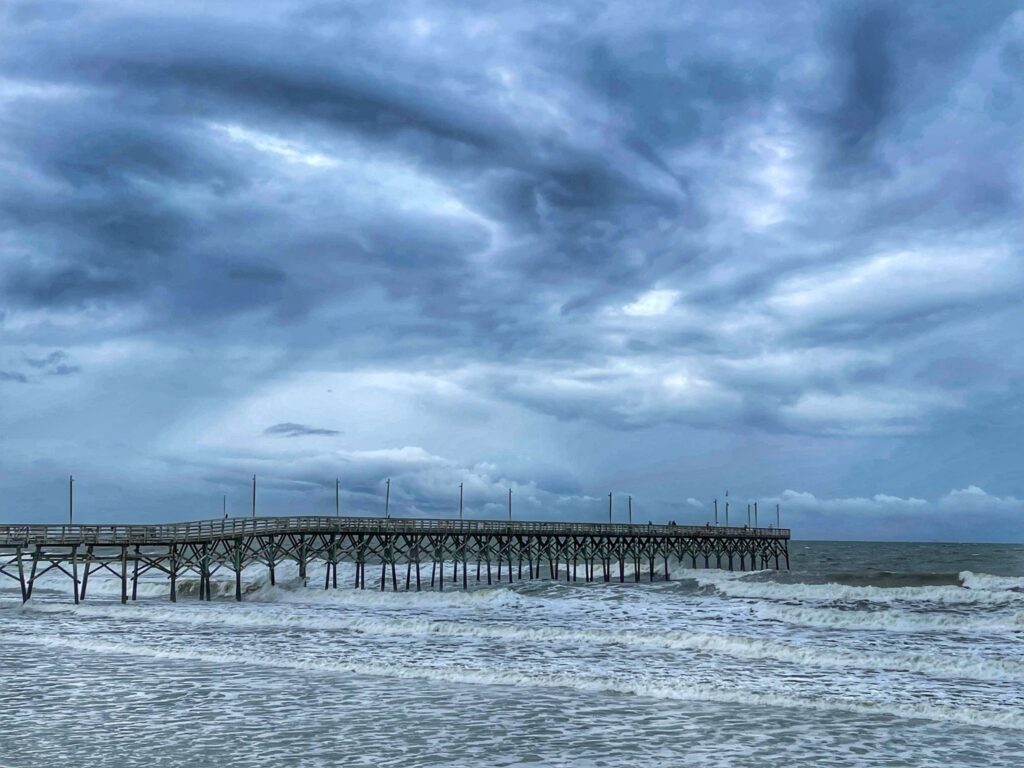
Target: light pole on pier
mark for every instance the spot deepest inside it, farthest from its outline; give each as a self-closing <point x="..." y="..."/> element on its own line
<point x="755" y="514"/>
<point x="778" y="524"/>
<point x="254" y="496"/>
<point x="460" y="501"/>
<point x="629" y="506"/>
<point x="387" y="498"/>
<point x="71" y="499"/>
<point x="224" y="506"/>
<point x="727" y="509"/>
<point x="337" y="497"/>
<point x="510" y="505"/>
<point x="716" y="513"/>
<point x="748" y="514"/>
<point x="609" y="506"/>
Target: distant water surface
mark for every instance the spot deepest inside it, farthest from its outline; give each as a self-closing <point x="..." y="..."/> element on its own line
<point x="862" y="655"/>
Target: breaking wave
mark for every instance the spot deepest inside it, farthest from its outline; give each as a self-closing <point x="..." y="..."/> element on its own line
<point x="973" y="580"/>
<point x="738" y="646"/>
<point x="639" y="684"/>
<point x="888" y="620"/>
<point x="832" y="592"/>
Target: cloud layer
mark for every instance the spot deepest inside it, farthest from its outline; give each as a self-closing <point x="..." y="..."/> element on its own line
<point x="569" y="248"/>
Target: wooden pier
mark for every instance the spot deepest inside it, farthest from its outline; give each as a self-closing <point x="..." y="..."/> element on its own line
<point x="468" y="550"/>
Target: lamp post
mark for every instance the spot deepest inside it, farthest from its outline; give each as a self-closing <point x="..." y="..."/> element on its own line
<point x="716" y="513"/>
<point x="510" y="505"/>
<point x="71" y="499"/>
<point x="254" y="496"/>
<point x="629" y="506"/>
<point x="460" y="501"/>
<point x="727" y="509"/>
<point x="387" y="498"/>
<point x="778" y="524"/>
<point x="337" y="497"/>
<point x="755" y="514"/>
<point x="609" y="507"/>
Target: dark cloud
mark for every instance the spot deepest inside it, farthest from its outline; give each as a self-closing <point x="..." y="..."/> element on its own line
<point x="289" y="429"/>
<point x="68" y="286"/>
<point x="57" y="357"/>
<point x="865" y="38"/>
<point x="54" y="364"/>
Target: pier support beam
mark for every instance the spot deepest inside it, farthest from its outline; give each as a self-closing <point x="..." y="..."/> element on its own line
<point x="124" y="574"/>
<point x="21" y="577"/>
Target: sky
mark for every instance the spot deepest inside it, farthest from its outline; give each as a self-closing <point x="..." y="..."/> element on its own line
<point x="662" y="250"/>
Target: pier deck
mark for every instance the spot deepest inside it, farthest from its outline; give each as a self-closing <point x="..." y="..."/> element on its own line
<point x="202" y="549"/>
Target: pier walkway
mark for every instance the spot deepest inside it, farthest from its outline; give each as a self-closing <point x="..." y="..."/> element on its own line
<point x="554" y="550"/>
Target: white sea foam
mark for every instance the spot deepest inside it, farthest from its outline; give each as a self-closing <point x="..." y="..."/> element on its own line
<point x="973" y="580"/>
<point x="638" y="684"/>
<point x="290" y="588"/>
<point x="830" y="592"/>
<point x="737" y="646"/>
<point x="711" y="576"/>
<point x="889" y="620"/>
<point x="293" y="593"/>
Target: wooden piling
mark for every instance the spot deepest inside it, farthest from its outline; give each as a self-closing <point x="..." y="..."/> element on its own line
<point x="74" y="571"/>
<point x="238" y="570"/>
<point x="135" y="574"/>
<point x="124" y="574"/>
<point x="21" y="576"/>
<point x="204" y="574"/>
<point x="32" y="573"/>
<point x="174" y="574"/>
<point x="85" y="575"/>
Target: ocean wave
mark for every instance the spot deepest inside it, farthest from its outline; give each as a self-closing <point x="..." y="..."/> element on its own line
<point x="831" y="592"/>
<point x="291" y="589"/>
<point x="638" y="684"/>
<point x="888" y="620"/>
<point x="737" y="646"/>
<point x="989" y="581"/>
<point x="710" y="576"/>
<point x="295" y="592"/>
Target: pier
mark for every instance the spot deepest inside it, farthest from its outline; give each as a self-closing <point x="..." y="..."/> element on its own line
<point x="427" y="550"/>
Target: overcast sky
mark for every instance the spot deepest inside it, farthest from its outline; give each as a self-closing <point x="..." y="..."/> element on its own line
<point x="660" y="249"/>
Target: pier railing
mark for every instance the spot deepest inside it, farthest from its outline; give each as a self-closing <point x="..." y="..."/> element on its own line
<point x="209" y="530"/>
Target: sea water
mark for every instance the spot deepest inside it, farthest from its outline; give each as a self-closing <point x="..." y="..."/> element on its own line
<point x="862" y="655"/>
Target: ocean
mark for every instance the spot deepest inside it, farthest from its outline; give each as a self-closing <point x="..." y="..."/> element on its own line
<point x="864" y="654"/>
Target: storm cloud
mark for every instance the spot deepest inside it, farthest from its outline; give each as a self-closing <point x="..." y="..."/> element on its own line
<point x="290" y="429"/>
<point x="663" y="250"/>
